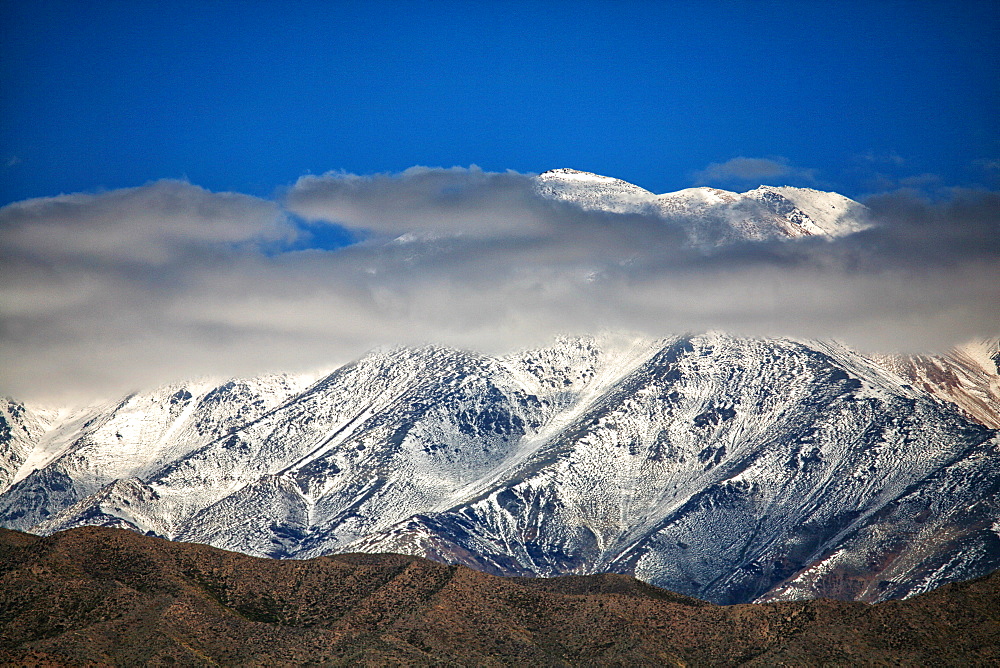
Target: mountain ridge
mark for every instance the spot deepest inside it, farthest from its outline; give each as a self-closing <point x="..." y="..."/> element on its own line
<point x="96" y="595"/>
<point x="710" y="216"/>
<point x="673" y="459"/>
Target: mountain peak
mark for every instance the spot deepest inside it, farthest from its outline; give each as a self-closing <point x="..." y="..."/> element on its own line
<point x="575" y="174"/>
<point x="712" y="216"/>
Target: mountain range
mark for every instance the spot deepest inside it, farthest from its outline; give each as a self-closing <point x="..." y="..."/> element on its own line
<point x="728" y="468"/>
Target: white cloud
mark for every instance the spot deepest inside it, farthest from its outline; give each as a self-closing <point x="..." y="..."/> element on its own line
<point x="754" y="171"/>
<point x="890" y="158"/>
<point x="456" y="200"/>
<point x="132" y="287"/>
<point x="153" y="224"/>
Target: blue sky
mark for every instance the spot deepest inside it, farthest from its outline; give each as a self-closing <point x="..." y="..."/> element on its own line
<point x="248" y="96"/>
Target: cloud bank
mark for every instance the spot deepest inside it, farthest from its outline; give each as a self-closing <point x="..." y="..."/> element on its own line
<point x="103" y="293"/>
<point x="741" y="171"/>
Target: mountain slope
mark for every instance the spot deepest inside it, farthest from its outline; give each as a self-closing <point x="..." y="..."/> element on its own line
<point x="696" y="475"/>
<point x="20" y="430"/>
<point x="101" y="596"/>
<point x="88" y="449"/>
<point x="968" y="377"/>
<point x="722" y="467"/>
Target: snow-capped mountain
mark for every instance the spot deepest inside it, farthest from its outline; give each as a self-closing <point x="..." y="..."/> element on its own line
<point x="733" y="469"/>
<point x="711" y="216"/>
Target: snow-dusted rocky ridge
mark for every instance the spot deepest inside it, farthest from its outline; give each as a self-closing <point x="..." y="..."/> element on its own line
<point x="711" y="216"/>
<point x="733" y="469"/>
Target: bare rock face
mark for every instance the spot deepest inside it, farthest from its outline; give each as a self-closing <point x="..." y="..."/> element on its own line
<point x="96" y="596"/>
<point x="968" y="377"/>
<point x="726" y="468"/>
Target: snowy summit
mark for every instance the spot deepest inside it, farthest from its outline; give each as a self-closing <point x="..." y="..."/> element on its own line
<point x="712" y="216"/>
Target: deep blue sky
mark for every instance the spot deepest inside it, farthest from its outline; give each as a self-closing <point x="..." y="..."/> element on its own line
<point x="248" y="96"/>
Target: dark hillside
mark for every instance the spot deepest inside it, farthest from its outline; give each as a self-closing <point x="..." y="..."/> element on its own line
<point x="99" y="596"/>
